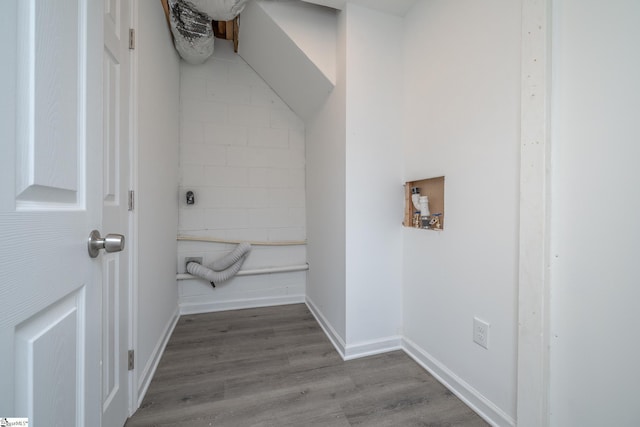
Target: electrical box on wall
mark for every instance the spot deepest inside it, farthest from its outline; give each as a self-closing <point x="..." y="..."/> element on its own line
<point x="424" y="204"/>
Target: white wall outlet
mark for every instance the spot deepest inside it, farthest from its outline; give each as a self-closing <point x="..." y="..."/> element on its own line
<point x="481" y="332"/>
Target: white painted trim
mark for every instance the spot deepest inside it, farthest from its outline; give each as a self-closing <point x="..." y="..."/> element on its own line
<point x="154" y="360"/>
<point x="133" y="217"/>
<point x="533" y="282"/>
<point x="469" y="395"/>
<point x="184" y="238"/>
<point x="210" y="307"/>
<point x="331" y="333"/>
<point x="370" y="348"/>
<point x="358" y="350"/>
<point x="255" y="271"/>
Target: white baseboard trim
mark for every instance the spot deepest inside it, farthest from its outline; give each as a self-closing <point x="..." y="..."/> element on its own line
<point x="212" y="306"/>
<point x="331" y="333"/>
<point x="369" y="348"/>
<point x="470" y="396"/>
<point x="154" y="360"/>
<point x="353" y="351"/>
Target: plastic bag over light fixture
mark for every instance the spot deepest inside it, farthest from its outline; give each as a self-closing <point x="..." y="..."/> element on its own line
<point x="191" y="27"/>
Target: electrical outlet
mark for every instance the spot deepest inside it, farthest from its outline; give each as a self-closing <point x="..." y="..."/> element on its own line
<point x="187" y="260"/>
<point x="481" y="332"/>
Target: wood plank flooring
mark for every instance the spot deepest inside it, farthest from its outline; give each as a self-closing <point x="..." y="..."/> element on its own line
<point x="274" y="367"/>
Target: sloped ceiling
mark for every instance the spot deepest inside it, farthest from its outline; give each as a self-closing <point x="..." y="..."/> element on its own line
<point x="271" y="52"/>
<point x="334" y="4"/>
<point x="394" y="7"/>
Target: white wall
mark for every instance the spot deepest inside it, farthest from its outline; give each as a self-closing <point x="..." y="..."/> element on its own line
<point x="325" y="139"/>
<point x="374" y="192"/>
<point x="157" y="186"/>
<point x="312" y="28"/>
<point x="461" y="120"/>
<point x="242" y="152"/>
<point x="354" y="190"/>
<point x="595" y="234"/>
<point x="281" y="62"/>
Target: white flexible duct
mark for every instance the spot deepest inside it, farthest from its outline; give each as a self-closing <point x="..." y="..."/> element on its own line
<point x="214" y="276"/>
<point x="231" y="258"/>
<point x="227" y="267"/>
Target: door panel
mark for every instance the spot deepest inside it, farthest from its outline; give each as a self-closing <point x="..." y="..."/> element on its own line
<point x="51" y="139"/>
<point x="48" y="122"/>
<point x="44" y="345"/>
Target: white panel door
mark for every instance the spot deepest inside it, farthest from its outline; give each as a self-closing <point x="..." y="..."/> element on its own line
<point x="50" y="185"/>
<point x="115" y="266"/>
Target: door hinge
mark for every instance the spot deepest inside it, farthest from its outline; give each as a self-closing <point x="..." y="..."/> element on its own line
<point x="131" y="200"/>
<point x="132" y="38"/>
<point x="131" y="360"/>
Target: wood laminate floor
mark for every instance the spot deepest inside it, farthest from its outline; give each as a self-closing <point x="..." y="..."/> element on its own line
<point x="274" y="367"/>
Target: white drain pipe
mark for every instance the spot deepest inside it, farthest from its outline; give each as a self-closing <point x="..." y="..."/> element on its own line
<point x="256" y="271"/>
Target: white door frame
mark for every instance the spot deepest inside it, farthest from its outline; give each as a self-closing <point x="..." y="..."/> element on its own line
<point x="133" y="218"/>
<point x="116" y="283"/>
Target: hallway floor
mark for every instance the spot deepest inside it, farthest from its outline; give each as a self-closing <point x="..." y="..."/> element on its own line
<point x="274" y="366"/>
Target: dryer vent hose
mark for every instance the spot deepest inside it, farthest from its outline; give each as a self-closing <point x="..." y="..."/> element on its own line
<point x="224" y="268"/>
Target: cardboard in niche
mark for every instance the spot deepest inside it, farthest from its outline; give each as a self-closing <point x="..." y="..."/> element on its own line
<point x="430" y="187"/>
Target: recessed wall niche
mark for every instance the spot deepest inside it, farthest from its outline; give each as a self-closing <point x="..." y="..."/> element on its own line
<point x="433" y="189"/>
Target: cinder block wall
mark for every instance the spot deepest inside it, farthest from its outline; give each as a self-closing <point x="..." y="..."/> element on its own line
<point x="242" y="152"/>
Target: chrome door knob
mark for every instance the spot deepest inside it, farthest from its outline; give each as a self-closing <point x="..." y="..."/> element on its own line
<point x="110" y="243"/>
